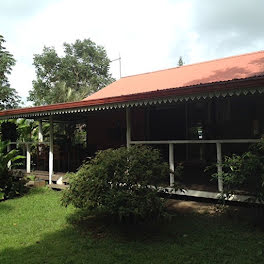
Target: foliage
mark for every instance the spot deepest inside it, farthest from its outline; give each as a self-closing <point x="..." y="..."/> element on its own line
<point x="246" y="170"/>
<point x="9" y="131"/>
<point x="27" y="130"/>
<point x="8" y="95"/>
<point x="180" y="62"/>
<point x="31" y="177"/>
<point x="117" y="182"/>
<point x="11" y="183"/>
<point x="22" y="130"/>
<point x="83" y="69"/>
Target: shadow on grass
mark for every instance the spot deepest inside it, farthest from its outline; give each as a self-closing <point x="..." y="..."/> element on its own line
<point x="29" y="191"/>
<point x="186" y="238"/>
<point x="106" y="227"/>
<point x="4" y="208"/>
<point x="58" y="247"/>
<point x="179" y="223"/>
<point x="36" y="190"/>
<point x="98" y="240"/>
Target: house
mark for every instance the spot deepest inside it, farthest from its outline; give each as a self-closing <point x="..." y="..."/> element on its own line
<point x="194" y="113"/>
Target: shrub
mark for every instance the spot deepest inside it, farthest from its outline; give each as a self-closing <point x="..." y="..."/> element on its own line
<point x="117" y="182"/>
<point x="246" y="170"/>
<point x="12" y="183"/>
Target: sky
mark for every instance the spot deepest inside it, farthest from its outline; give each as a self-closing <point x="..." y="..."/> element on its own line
<point x="149" y="35"/>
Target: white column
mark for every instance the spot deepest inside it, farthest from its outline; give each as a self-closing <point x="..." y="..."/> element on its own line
<point x="40" y="133"/>
<point x="51" y="150"/>
<point x="171" y="162"/>
<point x="128" y="127"/>
<point x="219" y="166"/>
<point x="28" y="158"/>
<point x="9" y="162"/>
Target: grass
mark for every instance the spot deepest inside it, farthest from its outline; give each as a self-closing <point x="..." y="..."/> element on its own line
<point x="36" y="229"/>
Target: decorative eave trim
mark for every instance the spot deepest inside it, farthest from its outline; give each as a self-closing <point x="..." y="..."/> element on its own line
<point x="138" y="103"/>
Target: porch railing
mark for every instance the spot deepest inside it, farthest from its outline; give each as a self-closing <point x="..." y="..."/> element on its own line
<point x="28" y="153"/>
<point x="217" y="142"/>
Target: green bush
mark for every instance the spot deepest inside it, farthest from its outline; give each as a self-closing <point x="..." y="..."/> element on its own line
<point x="12" y="183"/>
<point x="117" y="183"/>
<point x="244" y="171"/>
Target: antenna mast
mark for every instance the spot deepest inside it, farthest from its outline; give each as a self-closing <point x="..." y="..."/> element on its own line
<point x="118" y="59"/>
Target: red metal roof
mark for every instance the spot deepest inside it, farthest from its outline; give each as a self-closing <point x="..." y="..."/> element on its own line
<point x="236" y="67"/>
<point x="241" y="71"/>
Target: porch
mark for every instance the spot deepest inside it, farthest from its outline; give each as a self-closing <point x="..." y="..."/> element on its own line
<point x="195" y="132"/>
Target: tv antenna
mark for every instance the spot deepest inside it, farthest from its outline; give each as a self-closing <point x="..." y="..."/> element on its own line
<point x="118" y="59"/>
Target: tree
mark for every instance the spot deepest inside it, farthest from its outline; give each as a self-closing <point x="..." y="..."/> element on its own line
<point x="180" y="62"/>
<point x="82" y="70"/>
<point x="8" y="95"/>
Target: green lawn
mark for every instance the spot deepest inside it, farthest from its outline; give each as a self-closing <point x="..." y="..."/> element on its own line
<point x="35" y="229"/>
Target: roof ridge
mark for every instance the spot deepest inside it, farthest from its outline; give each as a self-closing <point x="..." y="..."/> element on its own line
<point x="197" y="63"/>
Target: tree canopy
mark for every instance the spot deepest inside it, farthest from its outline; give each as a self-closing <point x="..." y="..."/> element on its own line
<point x="180" y="62"/>
<point x="84" y="69"/>
<point x="8" y="95"/>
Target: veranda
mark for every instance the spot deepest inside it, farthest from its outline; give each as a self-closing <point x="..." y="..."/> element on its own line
<point x="193" y="131"/>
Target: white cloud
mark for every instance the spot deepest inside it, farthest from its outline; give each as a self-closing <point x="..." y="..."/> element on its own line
<point x="227" y="27"/>
<point x="22" y="77"/>
<point x="149" y="35"/>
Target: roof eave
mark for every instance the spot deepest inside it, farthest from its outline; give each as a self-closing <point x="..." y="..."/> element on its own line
<point x="193" y="90"/>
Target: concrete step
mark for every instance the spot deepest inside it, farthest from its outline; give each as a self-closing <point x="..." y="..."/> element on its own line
<point x="36" y="183"/>
<point x="42" y="177"/>
<point x="58" y="186"/>
<point x="65" y="180"/>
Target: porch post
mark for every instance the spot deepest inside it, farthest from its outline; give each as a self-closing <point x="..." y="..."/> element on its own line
<point x="28" y="158"/>
<point x="219" y="166"/>
<point x="186" y="130"/>
<point x="8" y="149"/>
<point x="171" y="162"/>
<point x="51" y="150"/>
<point x="40" y="133"/>
<point x="128" y="127"/>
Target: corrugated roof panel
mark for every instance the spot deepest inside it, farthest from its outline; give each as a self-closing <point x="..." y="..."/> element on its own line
<point x="235" y="67"/>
